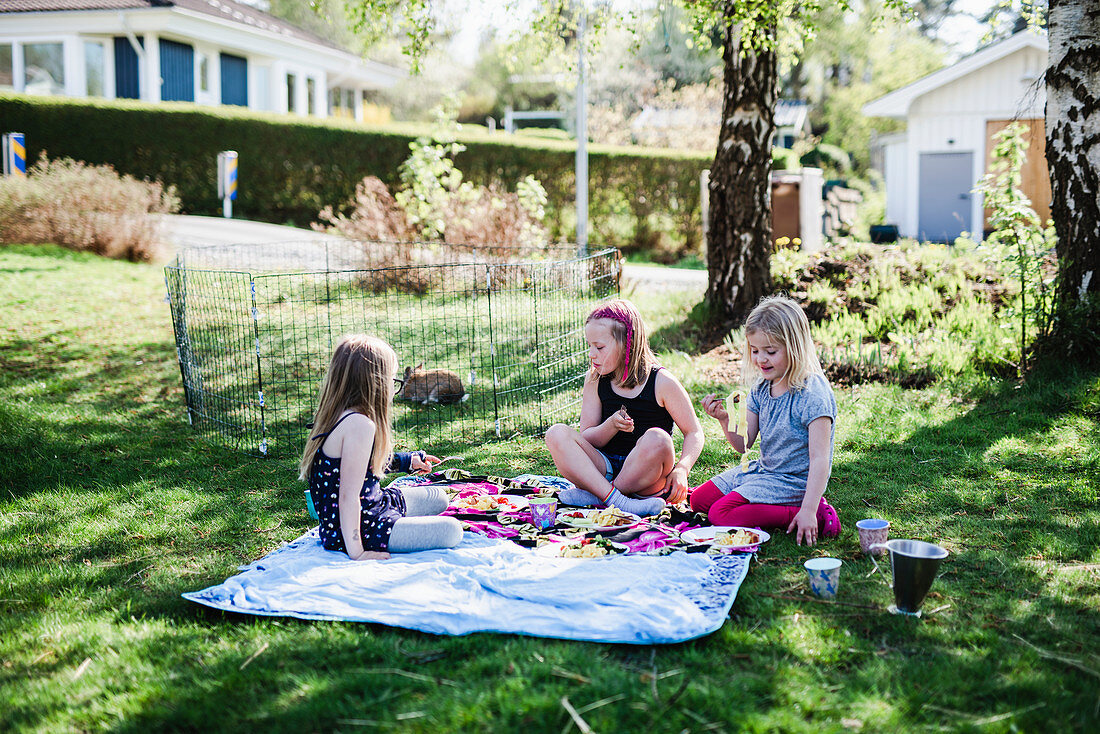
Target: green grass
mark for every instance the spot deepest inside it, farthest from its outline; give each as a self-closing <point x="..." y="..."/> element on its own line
<point x="112" y="507"/>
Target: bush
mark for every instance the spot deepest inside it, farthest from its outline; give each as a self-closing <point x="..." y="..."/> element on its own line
<point x="906" y="314"/>
<point x="84" y="207"/>
<point x="292" y="167"/>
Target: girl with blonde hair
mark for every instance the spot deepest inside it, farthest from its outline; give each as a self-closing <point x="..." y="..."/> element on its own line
<point x="349" y="450"/>
<point x="792" y="409"/>
<point x="623" y="455"/>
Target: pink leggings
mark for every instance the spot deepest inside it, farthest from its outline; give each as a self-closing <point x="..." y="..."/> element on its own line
<point x="733" y="509"/>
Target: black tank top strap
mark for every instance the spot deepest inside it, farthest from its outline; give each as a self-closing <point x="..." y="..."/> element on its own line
<point x="326" y="433"/>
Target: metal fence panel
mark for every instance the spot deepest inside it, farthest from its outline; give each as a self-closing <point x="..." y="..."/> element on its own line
<point x="255" y="326"/>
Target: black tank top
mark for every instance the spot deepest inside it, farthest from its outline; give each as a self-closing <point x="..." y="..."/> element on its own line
<point x="644" y="409"/>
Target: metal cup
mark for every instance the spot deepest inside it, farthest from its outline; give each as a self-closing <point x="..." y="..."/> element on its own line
<point x="544" y="512"/>
<point x="873" y="532"/>
<point x="913" y="564"/>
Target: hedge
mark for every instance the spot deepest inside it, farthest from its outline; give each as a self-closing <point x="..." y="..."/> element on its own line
<point x="291" y="167"/>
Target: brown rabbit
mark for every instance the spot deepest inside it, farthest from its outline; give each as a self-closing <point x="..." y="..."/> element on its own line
<point x="432" y="386"/>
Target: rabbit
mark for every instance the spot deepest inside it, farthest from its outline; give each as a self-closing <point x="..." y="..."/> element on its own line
<point x="432" y="386"/>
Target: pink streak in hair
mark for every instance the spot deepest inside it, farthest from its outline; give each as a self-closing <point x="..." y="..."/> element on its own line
<point x="618" y="314"/>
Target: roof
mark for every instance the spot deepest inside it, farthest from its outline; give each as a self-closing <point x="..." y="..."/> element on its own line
<point x="788" y="112"/>
<point x="229" y="10"/>
<point x="898" y="102"/>
<point x="791" y="113"/>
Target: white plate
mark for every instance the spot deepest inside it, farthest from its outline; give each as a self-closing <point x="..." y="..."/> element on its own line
<point x="586" y="521"/>
<point x="706" y="536"/>
<point x="504" y="502"/>
<point x="554" y="550"/>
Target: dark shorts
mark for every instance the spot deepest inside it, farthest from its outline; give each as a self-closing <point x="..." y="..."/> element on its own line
<point x="613" y="464"/>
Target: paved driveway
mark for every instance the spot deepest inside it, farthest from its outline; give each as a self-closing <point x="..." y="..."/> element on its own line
<point x="182" y="230"/>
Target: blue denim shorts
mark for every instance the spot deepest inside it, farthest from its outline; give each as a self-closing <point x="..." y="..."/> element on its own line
<point x="613" y="464"/>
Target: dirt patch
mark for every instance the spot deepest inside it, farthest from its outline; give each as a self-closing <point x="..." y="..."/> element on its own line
<point x="721" y="365"/>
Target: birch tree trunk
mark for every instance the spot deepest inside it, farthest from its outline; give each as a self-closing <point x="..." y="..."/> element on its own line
<point x="1073" y="149"/>
<point x="739" y="237"/>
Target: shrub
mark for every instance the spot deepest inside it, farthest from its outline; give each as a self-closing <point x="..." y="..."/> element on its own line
<point x="906" y="314"/>
<point x="84" y="207"/>
<point x="293" y="167"/>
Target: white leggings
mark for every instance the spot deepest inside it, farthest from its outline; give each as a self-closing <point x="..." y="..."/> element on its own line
<point x="421" y="528"/>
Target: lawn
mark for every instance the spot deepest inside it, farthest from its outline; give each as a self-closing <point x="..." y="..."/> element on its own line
<point x="113" y="507"/>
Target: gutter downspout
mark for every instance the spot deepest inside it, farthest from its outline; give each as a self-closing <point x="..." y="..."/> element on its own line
<point x="139" y="50"/>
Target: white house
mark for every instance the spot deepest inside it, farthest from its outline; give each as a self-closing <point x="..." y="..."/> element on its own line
<point x="931" y="168"/>
<point x="204" y="51"/>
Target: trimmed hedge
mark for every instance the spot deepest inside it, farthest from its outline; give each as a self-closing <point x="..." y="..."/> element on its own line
<point x="291" y="167"/>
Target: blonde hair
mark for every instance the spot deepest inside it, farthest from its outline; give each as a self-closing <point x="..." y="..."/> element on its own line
<point x="628" y="331"/>
<point x="783" y="321"/>
<point x="359" y="378"/>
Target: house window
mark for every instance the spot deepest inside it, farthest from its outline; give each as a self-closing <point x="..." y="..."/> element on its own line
<point x="7" y="75"/>
<point x="311" y="95"/>
<point x="349" y="101"/>
<point x="44" y="68"/>
<point x="334" y="100"/>
<point x="291" y="83"/>
<point x="94" y="68"/>
<point x="204" y="73"/>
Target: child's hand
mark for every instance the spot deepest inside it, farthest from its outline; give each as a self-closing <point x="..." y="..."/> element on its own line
<point x="715" y="407"/>
<point x="806" y="524"/>
<point x="677" y="486"/>
<point x="372" y="556"/>
<point x="423" y="466"/>
<point x="622" y="421"/>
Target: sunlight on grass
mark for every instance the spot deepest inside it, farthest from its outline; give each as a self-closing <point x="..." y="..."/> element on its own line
<point x="112" y="507"/>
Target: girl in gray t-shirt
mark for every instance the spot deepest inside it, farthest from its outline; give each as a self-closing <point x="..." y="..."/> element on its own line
<point x="792" y="409"/>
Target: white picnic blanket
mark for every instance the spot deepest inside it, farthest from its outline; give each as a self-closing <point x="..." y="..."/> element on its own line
<point x="492" y="585"/>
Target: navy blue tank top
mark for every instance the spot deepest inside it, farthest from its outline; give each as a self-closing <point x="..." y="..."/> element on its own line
<point x="644" y="409"/>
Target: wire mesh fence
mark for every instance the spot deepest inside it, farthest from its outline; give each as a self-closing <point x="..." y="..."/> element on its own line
<point x="255" y="326"/>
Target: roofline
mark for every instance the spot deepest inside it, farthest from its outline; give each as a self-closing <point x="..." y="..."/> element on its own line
<point x="338" y="56"/>
<point x="897" y="103"/>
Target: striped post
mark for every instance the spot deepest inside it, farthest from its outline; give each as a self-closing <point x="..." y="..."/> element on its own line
<point x="15" y="154"/>
<point x="227" y="181"/>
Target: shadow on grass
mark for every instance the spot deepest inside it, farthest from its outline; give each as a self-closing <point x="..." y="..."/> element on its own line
<point x="121" y="509"/>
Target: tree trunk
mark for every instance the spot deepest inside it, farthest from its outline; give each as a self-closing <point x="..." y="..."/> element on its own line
<point x="739" y="238"/>
<point x="1073" y="150"/>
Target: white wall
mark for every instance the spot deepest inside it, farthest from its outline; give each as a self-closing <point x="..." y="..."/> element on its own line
<point x="952" y="119"/>
<point x="895" y="172"/>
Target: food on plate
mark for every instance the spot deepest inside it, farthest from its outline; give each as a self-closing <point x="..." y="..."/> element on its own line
<point x="588" y="548"/>
<point x="487" y="503"/>
<point x="737" y="537"/>
<point x="582" y="551"/>
<point x="612" y="517"/>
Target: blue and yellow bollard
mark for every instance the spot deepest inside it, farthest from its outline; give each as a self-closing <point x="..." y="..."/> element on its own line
<point x="15" y="154"/>
<point x="227" y="181"/>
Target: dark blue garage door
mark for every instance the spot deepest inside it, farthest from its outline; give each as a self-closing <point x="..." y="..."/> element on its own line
<point x="127" y="85"/>
<point x="177" y="70"/>
<point x="234" y="80"/>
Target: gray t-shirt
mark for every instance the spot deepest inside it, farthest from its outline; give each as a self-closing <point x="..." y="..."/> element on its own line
<point x="779" y="476"/>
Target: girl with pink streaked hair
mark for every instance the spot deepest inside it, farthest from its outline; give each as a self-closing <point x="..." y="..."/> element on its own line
<point x="623" y="455"/>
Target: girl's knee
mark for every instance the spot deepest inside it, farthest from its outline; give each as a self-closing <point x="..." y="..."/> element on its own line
<point x="558" y="435"/>
<point x="436" y="501"/>
<point x="656" y="443"/>
<point x="703" y="497"/>
<point x="451" y="534"/>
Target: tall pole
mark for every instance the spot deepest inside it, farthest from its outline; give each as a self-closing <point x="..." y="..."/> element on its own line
<point x="582" y="139"/>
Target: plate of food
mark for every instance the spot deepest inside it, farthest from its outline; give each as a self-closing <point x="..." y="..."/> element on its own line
<point x="726" y="536"/>
<point x="610" y="518"/>
<point x="582" y="548"/>
<point x="491" y="502"/>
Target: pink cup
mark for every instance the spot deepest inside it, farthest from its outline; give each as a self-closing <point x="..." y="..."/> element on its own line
<point x="872" y="532"/>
